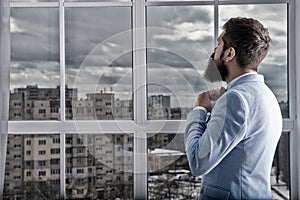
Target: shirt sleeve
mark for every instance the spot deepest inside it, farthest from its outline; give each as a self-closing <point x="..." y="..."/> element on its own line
<point x="207" y="143"/>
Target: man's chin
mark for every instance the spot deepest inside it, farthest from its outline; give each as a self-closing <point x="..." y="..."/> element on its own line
<point x="212" y="73"/>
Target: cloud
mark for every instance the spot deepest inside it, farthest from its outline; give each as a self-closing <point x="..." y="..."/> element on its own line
<point x="34" y="38"/>
<point x="88" y="30"/>
<point x="276" y="78"/>
<point x="99" y="48"/>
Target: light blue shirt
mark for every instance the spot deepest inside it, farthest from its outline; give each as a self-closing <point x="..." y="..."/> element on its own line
<point x="235" y="149"/>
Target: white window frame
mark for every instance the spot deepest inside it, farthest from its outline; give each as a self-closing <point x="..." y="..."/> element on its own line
<point x="140" y="126"/>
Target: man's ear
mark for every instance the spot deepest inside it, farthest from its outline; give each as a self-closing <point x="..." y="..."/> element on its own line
<point x="229" y="54"/>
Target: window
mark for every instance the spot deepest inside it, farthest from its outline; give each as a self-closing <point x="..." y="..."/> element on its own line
<point x="80" y="150"/>
<point x="17" y="156"/>
<point x="28" y="142"/>
<point x="42" y="152"/>
<point x="56" y="140"/>
<point x="17" y="146"/>
<point x="54" y="161"/>
<point x="28" y="173"/>
<point x="42" y="173"/>
<point x="80" y="171"/>
<point x="69" y="170"/>
<point x="55" y="151"/>
<point x="105" y="161"/>
<point x="80" y="191"/>
<point x="42" y="111"/>
<point x="42" y="142"/>
<point x="126" y="82"/>
<point x="28" y="163"/>
<point x="42" y="163"/>
<point x="55" y="171"/>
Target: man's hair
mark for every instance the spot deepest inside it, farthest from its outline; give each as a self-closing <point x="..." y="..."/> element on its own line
<point x="250" y="40"/>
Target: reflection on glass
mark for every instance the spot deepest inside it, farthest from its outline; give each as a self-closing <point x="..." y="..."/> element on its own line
<point x="175" y="0"/>
<point x="179" y="42"/>
<point x="280" y="175"/>
<point x="34" y="78"/>
<point x="274" y="67"/>
<point x="97" y="0"/>
<point x="169" y="176"/>
<point x="34" y="0"/>
<point x="99" y="166"/>
<point x="99" y="63"/>
<point x="32" y="169"/>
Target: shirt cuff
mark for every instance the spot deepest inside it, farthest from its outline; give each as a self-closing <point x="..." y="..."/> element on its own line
<point x="200" y="108"/>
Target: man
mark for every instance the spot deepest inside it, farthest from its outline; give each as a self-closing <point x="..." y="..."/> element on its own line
<point x="234" y="150"/>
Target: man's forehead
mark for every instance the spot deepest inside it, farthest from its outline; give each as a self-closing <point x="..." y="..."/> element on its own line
<point x="221" y="36"/>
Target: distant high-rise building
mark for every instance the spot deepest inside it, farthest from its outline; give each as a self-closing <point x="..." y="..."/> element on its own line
<point x="103" y="105"/>
<point x="159" y="107"/>
<point x="97" y="165"/>
<point x="123" y="109"/>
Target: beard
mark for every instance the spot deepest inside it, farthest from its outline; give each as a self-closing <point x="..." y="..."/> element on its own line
<point x="215" y="72"/>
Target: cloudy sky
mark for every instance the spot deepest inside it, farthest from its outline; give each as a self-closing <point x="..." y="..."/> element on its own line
<point x="98" y="45"/>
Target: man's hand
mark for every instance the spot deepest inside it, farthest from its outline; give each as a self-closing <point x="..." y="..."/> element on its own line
<point x="208" y="99"/>
<point x="204" y="101"/>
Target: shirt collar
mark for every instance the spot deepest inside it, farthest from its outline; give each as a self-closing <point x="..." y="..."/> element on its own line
<point x="239" y="77"/>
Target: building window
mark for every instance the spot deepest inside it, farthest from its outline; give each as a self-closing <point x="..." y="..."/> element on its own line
<point x="17" y="104"/>
<point x="42" y="173"/>
<point x="55" y="171"/>
<point x="69" y="170"/>
<point x="17" y="156"/>
<point x="28" y="153"/>
<point x="80" y="171"/>
<point x="42" y="152"/>
<point x="17" y="115"/>
<point x="80" y="191"/>
<point x="42" y="163"/>
<point x="42" y="111"/>
<point x="80" y="150"/>
<point x="42" y="142"/>
<point x="28" y="173"/>
<point x="17" y="146"/>
<point x="55" y="151"/>
<point x="28" y="163"/>
<point x="28" y="142"/>
<point x="54" y="110"/>
<point x="56" y="140"/>
<point x="55" y="161"/>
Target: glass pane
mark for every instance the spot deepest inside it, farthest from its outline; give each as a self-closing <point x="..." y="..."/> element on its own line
<point x="34" y="78"/>
<point x="32" y="168"/>
<point x="97" y="0"/>
<point x="99" y="166"/>
<point x="179" y="43"/>
<point x="275" y="65"/>
<point x="99" y="63"/>
<point x="34" y="0"/>
<point x="280" y="175"/>
<point x="169" y="176"/>
<point x="176" y="0"/>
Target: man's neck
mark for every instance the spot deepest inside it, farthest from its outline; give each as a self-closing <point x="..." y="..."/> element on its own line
<point x="231" y="76"/>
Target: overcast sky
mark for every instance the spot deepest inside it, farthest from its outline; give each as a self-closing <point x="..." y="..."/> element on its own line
<point x="99" y="48"/>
